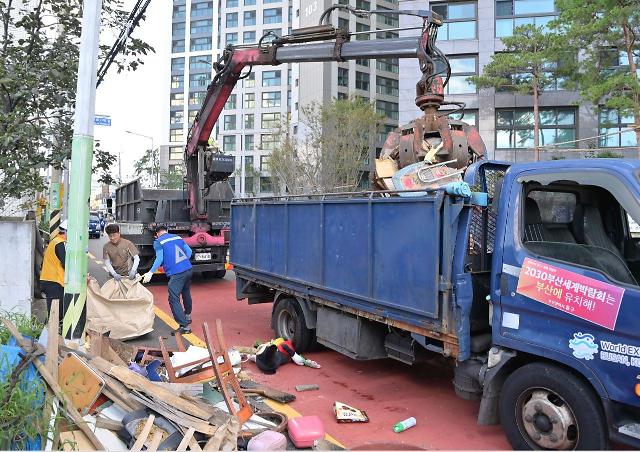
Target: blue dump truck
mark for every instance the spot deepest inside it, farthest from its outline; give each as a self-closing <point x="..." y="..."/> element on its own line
<point x="533" y="294"/>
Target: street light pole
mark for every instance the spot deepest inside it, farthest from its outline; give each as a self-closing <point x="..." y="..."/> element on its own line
<point x="154" y="177"/>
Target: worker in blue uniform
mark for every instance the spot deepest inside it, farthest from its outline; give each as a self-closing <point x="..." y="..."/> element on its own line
<point x="173" y="254"/>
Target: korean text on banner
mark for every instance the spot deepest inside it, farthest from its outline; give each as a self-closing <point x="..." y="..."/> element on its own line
<point x="592" y="300"/>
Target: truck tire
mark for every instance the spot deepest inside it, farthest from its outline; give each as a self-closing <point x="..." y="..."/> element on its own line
<point x="289" y="323"/>
<point x="543" y="406"/>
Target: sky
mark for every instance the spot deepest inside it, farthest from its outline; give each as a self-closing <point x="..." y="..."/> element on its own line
<point x="137" y="101"/>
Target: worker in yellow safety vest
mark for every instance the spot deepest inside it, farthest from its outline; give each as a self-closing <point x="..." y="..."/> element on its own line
<point x="52" y="274"/>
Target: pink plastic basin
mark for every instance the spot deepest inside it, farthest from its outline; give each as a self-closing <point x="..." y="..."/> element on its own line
<point x="305" y="431"/>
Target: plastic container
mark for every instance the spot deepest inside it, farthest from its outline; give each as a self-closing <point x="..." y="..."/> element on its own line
<point x="402" y="426"/>
<point x="268" y="441"/>
<point x="305" y="431"/>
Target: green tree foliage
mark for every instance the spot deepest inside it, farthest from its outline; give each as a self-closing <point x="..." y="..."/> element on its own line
<point x="524" y="67"/>
<point x="147" y="168"/>
<point x="172" y="180"/>
<point x="607" y="34"/>
<point x="336" y="140"/>
<point x="38" y="71"/>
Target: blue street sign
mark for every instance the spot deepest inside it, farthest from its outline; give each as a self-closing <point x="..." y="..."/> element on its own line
<point x="102" y="120"/>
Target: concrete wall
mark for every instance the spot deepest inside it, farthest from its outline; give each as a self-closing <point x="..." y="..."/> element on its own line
<point x="16" y="265"/>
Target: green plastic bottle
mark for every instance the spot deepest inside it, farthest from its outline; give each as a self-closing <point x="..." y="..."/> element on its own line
<point x="402" y="426"/>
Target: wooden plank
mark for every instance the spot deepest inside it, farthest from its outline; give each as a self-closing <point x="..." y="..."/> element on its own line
<point x="186" y="439"/>
<point x="109" y="424"/>
<point x="122" y="393"/>
<point x="215" y="441"/>
<point x="250" y="387"/>
<point x="144" y="433"/>
<point x="155" y="441"/>
<point x="51" y="357"/>
<point x="193" y="445"/>
<point x="53" y="384"/>
<point x="135" y="381"/>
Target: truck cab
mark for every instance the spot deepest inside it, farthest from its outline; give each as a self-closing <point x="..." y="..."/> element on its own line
<point x="564" y="293"/>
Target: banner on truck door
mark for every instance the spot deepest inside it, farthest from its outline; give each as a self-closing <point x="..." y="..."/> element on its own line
<point x="592" y="300"/>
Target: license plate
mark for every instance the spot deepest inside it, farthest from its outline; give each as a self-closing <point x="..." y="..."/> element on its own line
<point x="203" y="256"/>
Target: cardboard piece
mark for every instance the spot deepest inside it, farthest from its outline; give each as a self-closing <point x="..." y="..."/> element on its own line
<point x="79" y="381"/>
<point x="348" y="414"/>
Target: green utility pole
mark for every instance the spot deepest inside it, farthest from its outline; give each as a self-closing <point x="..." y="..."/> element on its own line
<point x="75" y="276"/>
<point x="55" y="204"/>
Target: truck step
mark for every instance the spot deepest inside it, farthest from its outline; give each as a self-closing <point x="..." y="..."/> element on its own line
<point x="631" y="429"/>
<point x="400" y="348"/>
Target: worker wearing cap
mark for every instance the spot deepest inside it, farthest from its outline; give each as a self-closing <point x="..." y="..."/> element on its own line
<point x="52" y="273"/>
<point x="120" y="255"/>
<point x="173" y="254"/>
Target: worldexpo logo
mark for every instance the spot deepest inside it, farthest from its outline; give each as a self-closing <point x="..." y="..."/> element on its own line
<point x="583" y="346"/>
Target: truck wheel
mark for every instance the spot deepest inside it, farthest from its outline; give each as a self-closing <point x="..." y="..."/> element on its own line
<point x="289" y="324"/>
<point x="543" y="406"/>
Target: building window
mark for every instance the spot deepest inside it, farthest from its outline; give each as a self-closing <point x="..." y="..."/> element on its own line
<point x="231" y="102"/>
<point x="264" y="163"/>
<point x="513" y="13"/>
<point x="249" y="2"/>
<point x="229" y="143"/>
<point x="272" y="16"/>
<point x="271" y="78"/>
<point x="387" y="109"/>
<point x="514" y="127"/>
<point x="387" y="86"/>
<point x="199" y="63"/>
<point x="363" y="62"/>
<point x="343" y="23"/>
<point x="249" y="81"/>
<point x="176" y="153"/>
<point x="249" y="185"/>
<point x="232" y="20"/>
<point x="271" y="1"/>
<point x="460" y="20"/>
<point x="199" y="80"/>
<point x="177" y="46"/>
<point x="248" y="121"/>
<point x="270" y="120"/>
<point x="388" y="65"/>
<point x="201" y="9"/>
<point x="616" y="61"/>
<point x="176" y="135"/>
<point x="265" y="185"/>
<point x="232" y="3"/>
<point x="192" y="116"/>
<point x="362" y="81"/>
<point x="196" y="98"/>
<point x="361" y="28"/>
<point x="470" y="117"/>
<point x="177" y="64"/>
<point x="613" y="124"/>
<point x="200" y="44"/>
<point x="384" y="131"/>
<point x="177" y="29"/>
<point x="248" y="162"/>
<point x="229" y="122"/>
<point x="179" y="11"/>
<point x="271" y="99"/>
<point x="387" y="19"/>
<point x="343" y="77"/>
<point x="202" y="26"/>
<point x="176" y="99"/>
<point x="249" y="37"/>
<point x="289" y="99"/>
<point x="461" y="68"/>
<point x="176" y="117"/>
<point x="342" y="96"/>
<point x="248" y="142"/>
<point x="177" y="81"/>
<point x="231" y="38"/>
<point x="387" y="35"/>
<point x="268" y="141"/>
<point x="363" y="4"/>
<point x="249" y="100"/>
<point x="249" y="18"/>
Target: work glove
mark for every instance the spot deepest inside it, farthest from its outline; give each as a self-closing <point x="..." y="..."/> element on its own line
<point x="147" y="277"/>
<point x="133" y="274"/>
<point x="117" y="277"/>
<point x="299" y="360"/>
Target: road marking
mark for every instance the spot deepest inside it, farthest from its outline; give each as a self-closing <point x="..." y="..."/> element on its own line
<point x="280" y="407"/>
<point x="91" y="255"/>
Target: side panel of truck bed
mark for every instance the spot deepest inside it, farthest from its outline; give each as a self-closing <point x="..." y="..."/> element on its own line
<point x="379" y="255"/>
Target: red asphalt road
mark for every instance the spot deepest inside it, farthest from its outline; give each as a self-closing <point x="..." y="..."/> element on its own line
<point x="387" y="390"/>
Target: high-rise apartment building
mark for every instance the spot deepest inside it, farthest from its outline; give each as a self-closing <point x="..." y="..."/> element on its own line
<point x="270" y="94"/>
<point x="470" y="36"/>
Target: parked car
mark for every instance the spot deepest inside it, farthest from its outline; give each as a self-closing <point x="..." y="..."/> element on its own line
<point x="95" y="230"/>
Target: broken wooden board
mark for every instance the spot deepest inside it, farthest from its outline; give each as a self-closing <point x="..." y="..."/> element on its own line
<point x="251" y="387"/>
<point x="79" y="381"/>
<point x="144" y="433"/>
<point x="51" y="357"/>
